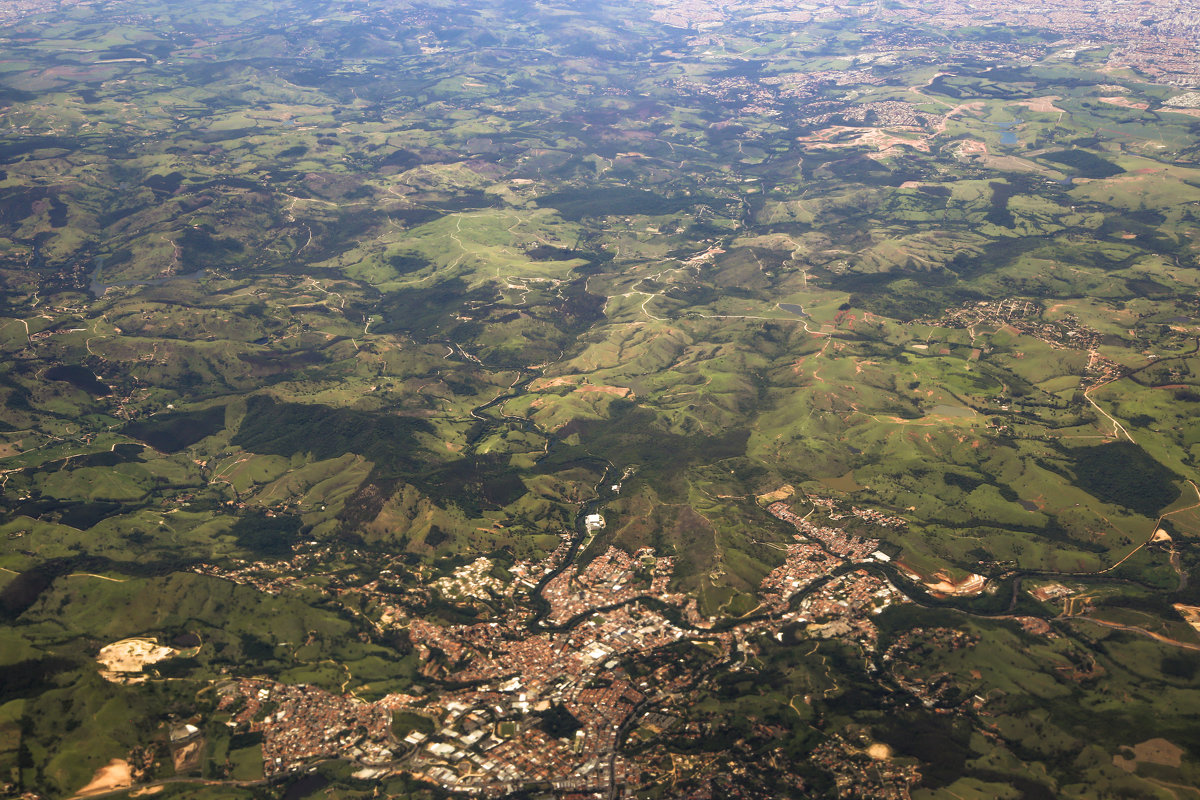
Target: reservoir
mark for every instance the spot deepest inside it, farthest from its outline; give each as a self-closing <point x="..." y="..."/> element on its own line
<point x="1007" y="136"/>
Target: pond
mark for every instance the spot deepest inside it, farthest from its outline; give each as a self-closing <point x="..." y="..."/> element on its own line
<point x="1007" y="135"/>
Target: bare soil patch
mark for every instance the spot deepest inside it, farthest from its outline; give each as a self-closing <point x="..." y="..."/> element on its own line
<point x="1190" y="614"/>
<point x="970" y="585"/>
<point x="1151" y="751"/>
<point x="782" y="493"/>
<point x="117" y="774"/>
<point x="123" y="661"/>
<point x="879" y="751"/>
<point x="619" y="391"/>
<point x="1125" y="102"/>
<point x="1044" y="105"/>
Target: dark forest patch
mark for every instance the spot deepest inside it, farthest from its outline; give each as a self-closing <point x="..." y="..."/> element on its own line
<point x="939" y="743"/>
<point x="163" y="185"/>
<point x="170" y="433"/>
<point x="1085" y="163"/>
<point x="200" y="248"/>
<point x="546" y="252"/>
<point x="80" y="377"/>
<point x="575" y="204"/>
<point x="1124" y="474"/>
<point x="428" y="311"/>
<point x="404" y="263"/>
<point x="32" y="677"/>
<point x="559" y="722"/>
<point x="274" y="428"/>
<point x="484" y="482"/>
<point x="268" y="536"/>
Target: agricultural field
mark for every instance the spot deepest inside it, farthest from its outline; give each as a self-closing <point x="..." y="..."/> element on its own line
<point x="337" y="338"/>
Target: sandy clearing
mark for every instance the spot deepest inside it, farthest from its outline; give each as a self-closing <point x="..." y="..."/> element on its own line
<point x="550" y="383"/>
<point x="972" y="584"/>
<point x="130" y="656"/>
<point x="970" y="147"/>
<point x="1124" y="102"/>
<point x="879" y="751"/>
<point x="619" y="391"/>
<point x="878" y="138"/>
<point x="1043" y="105"/>
<point x="1190" y="614"/>
<point x="115" y="775"/>
<point x="1151" y="751"/>
<point x="782" y="493"/>
<point x="188" y="755"/>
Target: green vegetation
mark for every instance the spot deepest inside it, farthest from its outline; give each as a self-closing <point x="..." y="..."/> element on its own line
<point x="302" y="310"/>
<point x="1123" y="474"/>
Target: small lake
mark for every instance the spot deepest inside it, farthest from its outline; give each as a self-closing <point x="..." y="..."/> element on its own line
<point x="1007" y="135"/>
<point x="792" y="308"/>
<point x="1028" y="505"/>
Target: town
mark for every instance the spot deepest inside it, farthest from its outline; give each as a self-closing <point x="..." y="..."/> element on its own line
<point x="1025" y="316"/>
<point x="550" y="698"/>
